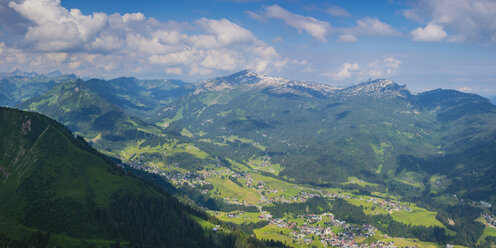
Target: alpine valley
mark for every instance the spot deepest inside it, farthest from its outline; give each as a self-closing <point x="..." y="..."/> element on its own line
<point x="244" y="160"/>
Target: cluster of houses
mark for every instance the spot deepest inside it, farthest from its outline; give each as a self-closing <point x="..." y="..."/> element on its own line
<point x="302" y="234"/>
<point x="481" y="204"/>
<point x="490" y="220"/>
<point x="338" y="195"/>
<point x="236" y="214"/>
<point x="198" y="179"/>
<point x="138" y="162"/>
<point x="389" y="205"/>
<point x="311" y="229"/>
<point x="302" y="196"/>
<point x="475" y="204"/>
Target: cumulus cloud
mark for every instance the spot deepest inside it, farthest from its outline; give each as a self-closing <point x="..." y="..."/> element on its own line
<point x="379" y="68"/>
<point x="474" y="20"/>
<point x="56" y="28"/>
<point x="431" y="32"/>
<point x="102" y="44"/>
<point x="346" y="71"/>
<point x="316" y="28"/>
<point x="226" y="32"/>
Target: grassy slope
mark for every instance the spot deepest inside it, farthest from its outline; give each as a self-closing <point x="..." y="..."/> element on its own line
<point x="50" y="184"/>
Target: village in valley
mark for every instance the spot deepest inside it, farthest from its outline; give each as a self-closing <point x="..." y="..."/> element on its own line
<point x="244" y="186"/>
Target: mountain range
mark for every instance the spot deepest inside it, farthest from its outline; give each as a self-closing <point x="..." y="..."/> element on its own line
<point x="377" y="130"/>
<point x="436" y="149"/>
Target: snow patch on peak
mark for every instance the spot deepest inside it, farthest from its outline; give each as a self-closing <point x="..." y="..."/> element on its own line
<point x="247" y="79"/>
<point x="378" y="87"/>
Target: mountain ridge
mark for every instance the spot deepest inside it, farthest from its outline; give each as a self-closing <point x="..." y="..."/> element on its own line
<point x="375" y="113"/>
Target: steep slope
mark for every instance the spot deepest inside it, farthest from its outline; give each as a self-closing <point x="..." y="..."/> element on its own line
<point x="468" y="143"/>
<point x="96" y="110"/>
<point x="55" y="190"/>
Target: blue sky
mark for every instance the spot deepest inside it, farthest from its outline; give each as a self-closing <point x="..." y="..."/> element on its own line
<point x="424" y="44"/>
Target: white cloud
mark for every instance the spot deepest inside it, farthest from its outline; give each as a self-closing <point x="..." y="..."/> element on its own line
<point x="112" y="45"/>
<point x="255" y="16"/>
<point x="226" y="32"/>
<point x="56" y="28"/>
<point x="338" y="11"/>
<point x="347" y="38"/>
<point x="379" y="68"/>
<point x="465" y="89"/>
<point x="383" y="68"/>
<point x="412" y="15"/>
<point x="366" y="27"/>
<point x="475" y="20"/>
<point x="316" y="28"/>
<point x="220" y="59"/>
<point x="319" y="30"/>
<point x="346" y="71"/>
<point x="136" y="17"/>
<point x="431" y="32"/>
<point x="10" y="57"/>
<point x="373" y="26"/>
<point x="74" y="64"/>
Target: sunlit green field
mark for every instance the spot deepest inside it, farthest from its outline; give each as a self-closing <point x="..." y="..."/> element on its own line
<point x="245" y="217"/>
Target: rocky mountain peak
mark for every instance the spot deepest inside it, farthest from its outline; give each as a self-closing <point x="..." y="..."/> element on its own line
<point x="378" y="87"/>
